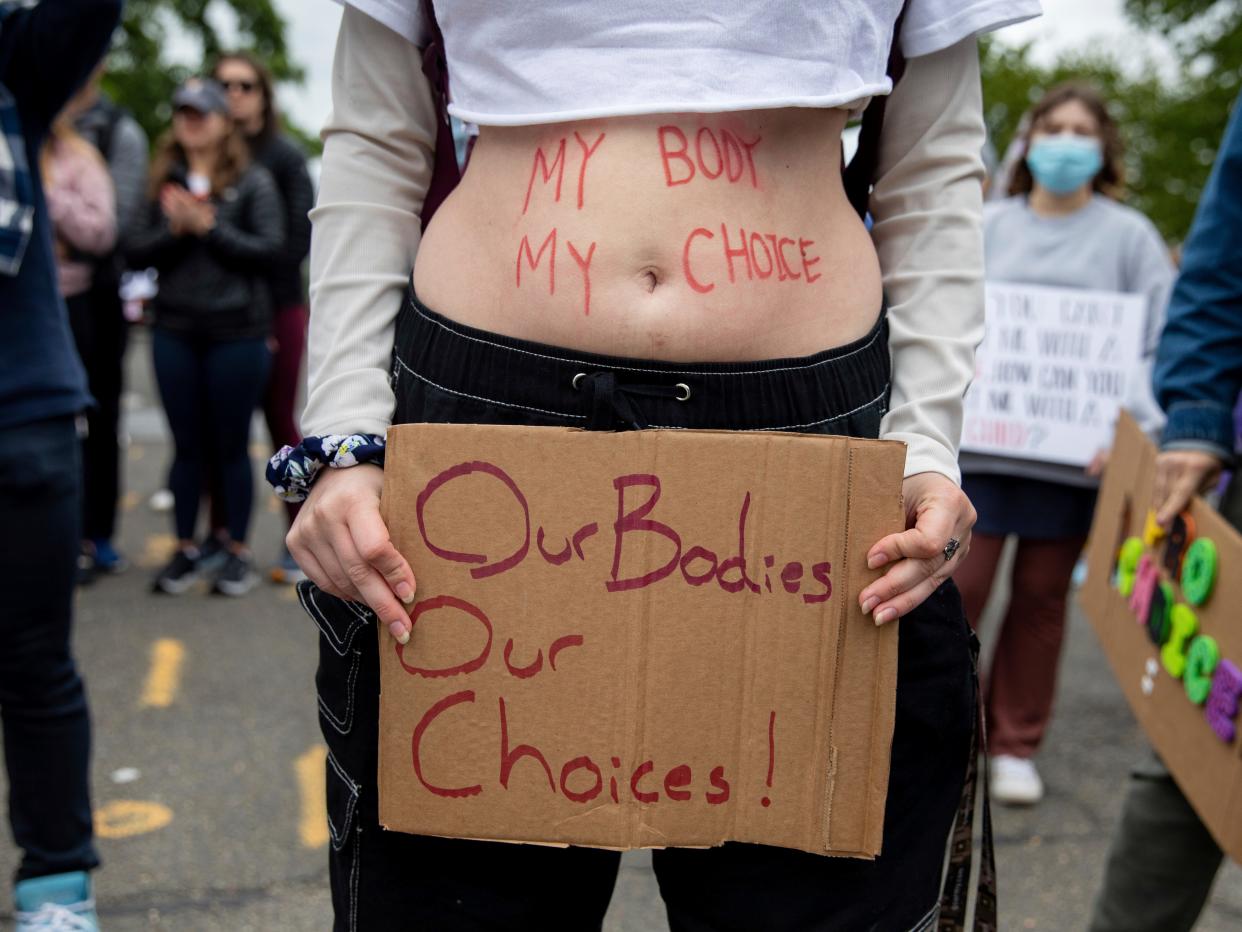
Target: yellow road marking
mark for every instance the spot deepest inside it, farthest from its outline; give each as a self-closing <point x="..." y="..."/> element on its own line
<point x="167" y="656"/>
<point x="313" y="824"/>
<point x="158" y="550"/>
<point x="123" y="818"/>
<point x="130" y="500"/>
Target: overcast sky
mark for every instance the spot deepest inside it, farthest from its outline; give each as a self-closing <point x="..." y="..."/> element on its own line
<point x="313" y="24"/>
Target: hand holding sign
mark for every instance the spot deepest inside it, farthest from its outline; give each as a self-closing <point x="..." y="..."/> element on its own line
<point x="341" y="543"/>
<point x="937" y="511"/>
<point x="1180" y="475"/>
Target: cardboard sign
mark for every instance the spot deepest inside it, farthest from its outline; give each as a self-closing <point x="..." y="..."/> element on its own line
<point x="1171" y="630"/>
<point x="1052" y="372"/>
<point x="639" y="639"/>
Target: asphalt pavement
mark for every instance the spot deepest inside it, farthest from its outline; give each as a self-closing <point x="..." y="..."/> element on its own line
<point x="208" y="777"/>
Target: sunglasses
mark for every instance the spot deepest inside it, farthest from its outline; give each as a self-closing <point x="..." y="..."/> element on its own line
<point x="246" y="87"/>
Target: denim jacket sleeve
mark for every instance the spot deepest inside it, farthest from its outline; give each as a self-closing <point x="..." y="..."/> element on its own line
<point x="1198" y="372"/>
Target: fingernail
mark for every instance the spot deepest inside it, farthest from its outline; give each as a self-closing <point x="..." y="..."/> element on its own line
<point x="405" y="592"/>
<point x="885" y="615"/>
<point x="868" y="605"/>
<point x="397" y="630"/>
<point x="876" y="560"/>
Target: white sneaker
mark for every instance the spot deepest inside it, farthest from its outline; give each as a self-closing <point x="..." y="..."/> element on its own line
<point x="1015" y="781"/>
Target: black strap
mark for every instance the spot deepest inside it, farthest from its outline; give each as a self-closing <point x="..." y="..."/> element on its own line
<point x="956" y="895"/>
<point x="860" y="174"/>
<point x="113" y="114"/>
<point x="445" y="172"/>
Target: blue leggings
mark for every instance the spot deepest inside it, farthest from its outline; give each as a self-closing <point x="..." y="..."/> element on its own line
<point x="210" y="390"/>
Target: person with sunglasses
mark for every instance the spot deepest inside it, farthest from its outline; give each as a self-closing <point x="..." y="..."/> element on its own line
<point x="251" y="92"/>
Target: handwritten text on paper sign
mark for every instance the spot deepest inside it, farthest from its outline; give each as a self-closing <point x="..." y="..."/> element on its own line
<point x="1054" y="368"/>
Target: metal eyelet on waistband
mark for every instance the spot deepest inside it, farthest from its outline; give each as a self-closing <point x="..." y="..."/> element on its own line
<point x="578" y="378"/>
<point x="685" y="391"/>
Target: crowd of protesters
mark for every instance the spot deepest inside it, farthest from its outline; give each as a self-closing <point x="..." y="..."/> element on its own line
<point x="218" y="207"/>
<point x="219" y="213"/>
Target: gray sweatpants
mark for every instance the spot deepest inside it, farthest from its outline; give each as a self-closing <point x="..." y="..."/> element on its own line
<point x="1161" y="863"/>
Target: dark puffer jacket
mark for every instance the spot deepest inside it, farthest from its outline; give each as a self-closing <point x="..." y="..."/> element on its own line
<point x="216" y="286"/>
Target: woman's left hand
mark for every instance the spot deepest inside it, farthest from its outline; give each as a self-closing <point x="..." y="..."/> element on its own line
<point x="937" y="511"/>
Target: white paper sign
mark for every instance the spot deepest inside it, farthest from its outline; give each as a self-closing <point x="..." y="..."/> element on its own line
<point x="1053" y="370"/>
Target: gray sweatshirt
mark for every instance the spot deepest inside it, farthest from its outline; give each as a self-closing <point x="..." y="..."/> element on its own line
<point x="1105" y="246"/>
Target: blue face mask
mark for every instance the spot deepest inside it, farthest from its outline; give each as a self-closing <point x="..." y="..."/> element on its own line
<point x="1065" y="163"/>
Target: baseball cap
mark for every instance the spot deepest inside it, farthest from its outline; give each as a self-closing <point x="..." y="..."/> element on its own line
<point x="203" y="95"/>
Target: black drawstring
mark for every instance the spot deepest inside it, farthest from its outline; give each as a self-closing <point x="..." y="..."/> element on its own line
<point x="611" y="404"/>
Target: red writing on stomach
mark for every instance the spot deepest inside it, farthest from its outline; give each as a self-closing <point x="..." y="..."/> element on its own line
<point x="710" y="154"/>
<point x="760" y="256"/>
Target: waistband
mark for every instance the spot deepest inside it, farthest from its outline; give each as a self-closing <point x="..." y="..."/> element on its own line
<point x="794" y="393"/>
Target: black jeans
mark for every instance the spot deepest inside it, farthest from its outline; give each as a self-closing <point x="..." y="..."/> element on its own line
<point x="100" y="332"/>
<point x="447" y="373"/>
<point x="47" y="731"/>
<point x="209" y="390"/>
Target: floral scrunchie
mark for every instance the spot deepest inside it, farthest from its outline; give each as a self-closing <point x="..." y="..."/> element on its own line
<point x="293" y="470"/>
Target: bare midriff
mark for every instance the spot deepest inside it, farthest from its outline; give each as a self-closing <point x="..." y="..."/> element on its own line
<point x="677" y="237"/>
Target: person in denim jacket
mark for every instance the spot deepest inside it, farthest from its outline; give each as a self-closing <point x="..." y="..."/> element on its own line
<point x="46" y="53"/>
<point x="1163" y="859"/>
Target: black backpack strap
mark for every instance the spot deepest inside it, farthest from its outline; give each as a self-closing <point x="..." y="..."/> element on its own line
<point x="445" y="172"/>
<point x="860" y="174"/>
<point x="112" y="118"/>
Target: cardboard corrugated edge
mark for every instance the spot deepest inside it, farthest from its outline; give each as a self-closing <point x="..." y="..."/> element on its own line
<point x="871" y="486"/>
<point x="1208" y="771"/>
<point x="885" y="514"/>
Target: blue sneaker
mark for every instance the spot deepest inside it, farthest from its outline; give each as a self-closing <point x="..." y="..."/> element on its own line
<point x="57" y="903"/>
<point x="107" y="558"/>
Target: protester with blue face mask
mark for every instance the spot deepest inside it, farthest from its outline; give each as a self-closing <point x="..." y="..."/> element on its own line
<point x="1061" y="226"/>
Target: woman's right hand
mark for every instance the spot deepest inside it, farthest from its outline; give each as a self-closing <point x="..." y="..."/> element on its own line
<point x="340" y="541"/>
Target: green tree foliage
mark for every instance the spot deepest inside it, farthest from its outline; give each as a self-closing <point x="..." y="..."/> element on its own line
<point x="1172" y="127"/>
<point x="141" y="74"/>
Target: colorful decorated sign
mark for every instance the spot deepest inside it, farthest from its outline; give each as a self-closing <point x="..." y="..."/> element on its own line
<point x="640" y="639"/>
<point x="1165" y="608"/>
<point x="1053" y="371"/>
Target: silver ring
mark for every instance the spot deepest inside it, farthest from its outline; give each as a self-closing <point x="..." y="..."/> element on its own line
<point x="685" y="391"/>
<point x="578" y="378"/>
<point x="951" y="548"/>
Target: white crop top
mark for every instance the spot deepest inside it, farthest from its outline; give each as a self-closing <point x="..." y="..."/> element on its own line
<point x="557" y="60"/>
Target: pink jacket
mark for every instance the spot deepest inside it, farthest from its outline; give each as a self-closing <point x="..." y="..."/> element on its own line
<point x="82" y="204"/>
